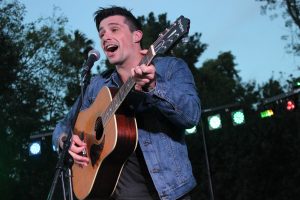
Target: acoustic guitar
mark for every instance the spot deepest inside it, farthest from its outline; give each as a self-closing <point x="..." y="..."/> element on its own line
<point x="109" y="129"/>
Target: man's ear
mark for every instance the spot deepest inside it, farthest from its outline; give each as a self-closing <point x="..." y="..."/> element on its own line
<point x="137" y="36"/>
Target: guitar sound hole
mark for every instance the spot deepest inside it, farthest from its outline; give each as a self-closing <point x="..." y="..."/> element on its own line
<point x="99" y="128"/>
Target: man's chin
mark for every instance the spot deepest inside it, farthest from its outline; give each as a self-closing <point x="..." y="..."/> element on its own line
<point x="113" y="62"/>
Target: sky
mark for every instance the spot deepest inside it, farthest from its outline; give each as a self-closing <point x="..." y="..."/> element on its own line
<point x="225" y="25"/>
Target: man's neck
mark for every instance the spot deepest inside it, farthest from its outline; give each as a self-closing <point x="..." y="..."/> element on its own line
<point x="124" y="70"/>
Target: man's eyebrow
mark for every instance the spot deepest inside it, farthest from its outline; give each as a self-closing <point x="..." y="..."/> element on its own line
<point x="110" y="24"/>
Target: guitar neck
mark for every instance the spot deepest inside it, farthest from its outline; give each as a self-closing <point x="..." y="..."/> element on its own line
<point x="125" y="89"/>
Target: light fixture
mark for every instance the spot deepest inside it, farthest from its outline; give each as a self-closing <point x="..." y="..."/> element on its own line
<point x="35" y="148"/>
<point x="214" y="122"/>
<point x="267" y="113"/>
<point x="290" y="105"/>
<point x="191" y="130"/>
<point x="238" y="117"/>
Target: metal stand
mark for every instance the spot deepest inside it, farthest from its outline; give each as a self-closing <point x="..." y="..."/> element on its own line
<point x="211" y="190"/>
<point x="65" y="162"/>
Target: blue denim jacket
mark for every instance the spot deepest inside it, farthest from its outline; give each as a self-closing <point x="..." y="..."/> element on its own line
<point x="162" y="116"/>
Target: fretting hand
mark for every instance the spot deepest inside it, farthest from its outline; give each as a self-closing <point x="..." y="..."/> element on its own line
<point x="144" y="76"/>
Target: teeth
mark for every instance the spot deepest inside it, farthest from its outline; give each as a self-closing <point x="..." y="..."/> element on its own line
<point x="111" y="47"/>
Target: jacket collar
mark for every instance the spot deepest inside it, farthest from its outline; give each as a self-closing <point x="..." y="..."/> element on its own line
<point x="114" y="79"/>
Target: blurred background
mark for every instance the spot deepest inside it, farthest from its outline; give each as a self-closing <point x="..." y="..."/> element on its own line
<point x="244" y="56"/>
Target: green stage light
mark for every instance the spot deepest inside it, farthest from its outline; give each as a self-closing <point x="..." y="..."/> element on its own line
<point x="238" y="117"/>
<point x="214" y="122"/>
<point x="266" y="113"/>
<point x="191" y="130"/>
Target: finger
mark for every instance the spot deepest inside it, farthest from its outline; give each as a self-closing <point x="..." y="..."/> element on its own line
<point x="144" y="51"/>
<point x="143" y="72"/>
<point x="138" y="87"/>
<point x="147" y="69"/>
<point x="144" y="78"/>
<point x="138" y="71"/>
<point x="149" y="76"/>
<point x="77" y="149"/>
<point x="77" y="158"/>
<point x="142" y="82"/>
<point x="76" y="140"/>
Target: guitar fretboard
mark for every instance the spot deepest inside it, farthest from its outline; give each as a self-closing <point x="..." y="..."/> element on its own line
<point x="124" y="90"/>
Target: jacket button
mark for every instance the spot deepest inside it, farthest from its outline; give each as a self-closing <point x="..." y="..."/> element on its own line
<point x="155" y="170"/>
<point x="164" y="198"/>
<point x="147" y="142"/>
<point x="131" y="107"/>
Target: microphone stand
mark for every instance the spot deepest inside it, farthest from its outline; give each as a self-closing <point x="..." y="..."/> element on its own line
<point x="65" y="161"/>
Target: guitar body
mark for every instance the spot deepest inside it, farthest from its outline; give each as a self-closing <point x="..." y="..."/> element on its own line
<point x="108" y="148"/>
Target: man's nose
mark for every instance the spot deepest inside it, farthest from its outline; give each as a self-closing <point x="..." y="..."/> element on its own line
<point x="106" y="36"/>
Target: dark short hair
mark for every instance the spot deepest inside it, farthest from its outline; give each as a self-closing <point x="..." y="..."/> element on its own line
<point x="131" y="20"/>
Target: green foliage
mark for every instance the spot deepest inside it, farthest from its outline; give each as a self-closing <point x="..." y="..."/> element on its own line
<point x="290" y="12"/>
<point x="271" y="88"/>
<point x="245" y="161"/>
<point x="72" y="56"/>
<point x="20" y="102"/>
<point x="219" y="81"/>
<point x="255" y="161"/>
<point x="152" y="27"/>
<point x="189" y="51"/>
<point x="38" y="61"/>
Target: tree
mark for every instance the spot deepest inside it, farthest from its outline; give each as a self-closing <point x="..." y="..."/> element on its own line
<point x="271" y="88"/>
<point x="20" y="109"/>
<point x="291" y="14"/>
<point x="37" y="67"/>
<point x="218" y="81"/>
<point x="72" y="56"/>
<point x="244" y="160"/>
<point x="190" y="50"/>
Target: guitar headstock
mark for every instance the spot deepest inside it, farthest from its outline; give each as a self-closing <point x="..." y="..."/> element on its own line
<point x="170" y="36"/>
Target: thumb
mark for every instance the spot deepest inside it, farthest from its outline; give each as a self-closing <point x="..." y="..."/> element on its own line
<point x="144" y="51"/>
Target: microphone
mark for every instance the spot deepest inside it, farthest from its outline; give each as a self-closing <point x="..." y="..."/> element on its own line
<point x="93" y="56"/>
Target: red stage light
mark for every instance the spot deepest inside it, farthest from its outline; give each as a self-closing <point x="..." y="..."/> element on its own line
<point x="290" y="105"/>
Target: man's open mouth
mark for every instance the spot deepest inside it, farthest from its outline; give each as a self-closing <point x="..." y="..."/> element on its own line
<point x="111" y="47"/>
